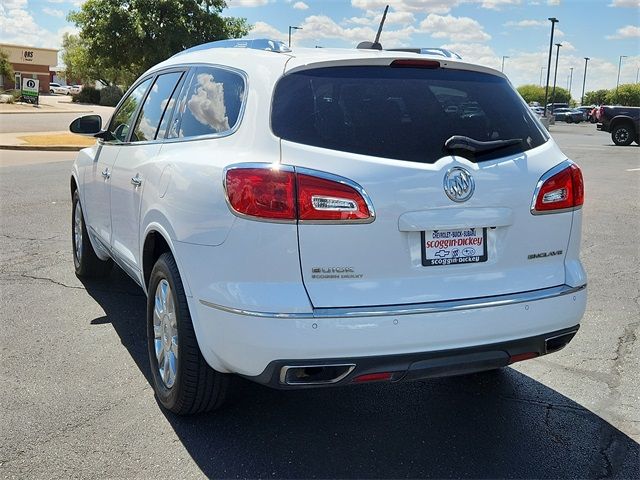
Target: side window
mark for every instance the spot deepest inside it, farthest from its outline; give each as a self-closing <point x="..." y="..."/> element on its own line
<point x="154" y="107"/>
<point x="210" y="103"/>
<point x="121" y="120"/>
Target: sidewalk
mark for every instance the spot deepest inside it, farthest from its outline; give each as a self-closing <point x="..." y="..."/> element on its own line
<point x="63" y="141"/>
<point x="60" y="107"/>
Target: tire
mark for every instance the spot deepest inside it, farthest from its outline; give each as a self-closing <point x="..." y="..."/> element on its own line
<point x="85" y="261"/>
<point x="184" y="383"/>
<point x="622" y="134"/>
<point x="569" y="120"/>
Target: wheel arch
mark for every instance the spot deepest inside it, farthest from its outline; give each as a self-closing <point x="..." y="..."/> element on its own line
<point x="620" y="120"/>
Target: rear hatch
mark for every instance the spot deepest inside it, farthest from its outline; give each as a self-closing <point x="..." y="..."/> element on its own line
<point x="385" y="127"/>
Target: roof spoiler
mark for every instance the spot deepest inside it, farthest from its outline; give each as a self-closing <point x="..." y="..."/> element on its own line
<point x="264" y="44"/>
<point x="441" y="52"/>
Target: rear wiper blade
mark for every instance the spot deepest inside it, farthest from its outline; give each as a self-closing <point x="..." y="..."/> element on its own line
<point x="460" y="142"/>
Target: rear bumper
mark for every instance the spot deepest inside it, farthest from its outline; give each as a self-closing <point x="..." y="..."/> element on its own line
<point x="601" y="127"/>
<point x="416" y="366"/>
<point x="251" y="343"/>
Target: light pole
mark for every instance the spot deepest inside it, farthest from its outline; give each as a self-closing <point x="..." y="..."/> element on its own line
<point x="570" y="80"/>
<point x="555" y="76"/>
<point x="503" y="57"/>
<point x="618" y="81"/>
<point x="584" y="80"/>
<point x="292" y="28"/>
<point x="553" y="21"/>
<point x="541" y="70"/>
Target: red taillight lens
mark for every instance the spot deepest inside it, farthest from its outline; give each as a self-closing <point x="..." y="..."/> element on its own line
<point x="522" y="356"/>
<point x="562" y="190"/>
<point x="283" y="195"/>
<point x="373" y="377"/>
<point x="262" y="192"/>
<point x="322" y="199"/>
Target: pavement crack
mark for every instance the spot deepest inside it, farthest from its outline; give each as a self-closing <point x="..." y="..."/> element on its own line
<point x="31" y="239"/>
<point x="55" y="282"/>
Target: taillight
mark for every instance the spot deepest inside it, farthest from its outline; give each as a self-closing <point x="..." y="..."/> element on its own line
<point x="559" y="189"/>
<point x="412" y="63"/>
<point x="262" y="193"/>
<point x="280" y="193"/>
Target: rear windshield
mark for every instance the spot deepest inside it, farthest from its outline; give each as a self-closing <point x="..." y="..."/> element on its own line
<point x="401" y="113"/>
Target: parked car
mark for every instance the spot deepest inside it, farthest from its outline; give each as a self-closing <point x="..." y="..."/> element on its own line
<point x="586" y="112"/>
<point x="75" y="89"/>
<point x="537" y="110"/>
<point x="325" y="218"/>
<point x="551" y="107"/>
<point x="568" y="115"/>
<point x="59" y="89"/>
<point x="622" y="122"/>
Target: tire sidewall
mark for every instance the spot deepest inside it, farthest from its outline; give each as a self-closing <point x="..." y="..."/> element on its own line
<point x="168" y="397"/>
<point x="78" y="262"/>
<point x="629" y="137"/>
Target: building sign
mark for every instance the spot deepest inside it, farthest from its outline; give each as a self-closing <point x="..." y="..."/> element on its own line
<point x="30" y="88"/>
<point x="27" y="55"/>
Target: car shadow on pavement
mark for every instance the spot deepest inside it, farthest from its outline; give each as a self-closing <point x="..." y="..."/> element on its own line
<point x="496" y="425"/>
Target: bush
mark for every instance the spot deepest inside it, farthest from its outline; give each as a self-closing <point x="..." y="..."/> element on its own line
<point x="627" y="95"/>
<point x="532" y="93"/>
<point x="110" y="96"/>
<point x="88" y="94"/>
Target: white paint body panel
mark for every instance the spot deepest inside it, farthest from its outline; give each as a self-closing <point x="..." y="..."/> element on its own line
<point x="263" y="267"/>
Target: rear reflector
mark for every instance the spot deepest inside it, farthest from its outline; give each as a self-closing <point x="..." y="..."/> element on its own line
<point x="522" y="356"/>
<point x="559" y="191"/>
<point x="373" y="377"/>
<point x="282" y="194"/>
<point x="411" y="63"/>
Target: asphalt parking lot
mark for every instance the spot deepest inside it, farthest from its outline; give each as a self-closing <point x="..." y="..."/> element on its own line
<point x="76" y="400"/>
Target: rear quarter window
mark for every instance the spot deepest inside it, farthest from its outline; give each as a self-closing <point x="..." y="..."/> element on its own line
<point x="400" y="113"/>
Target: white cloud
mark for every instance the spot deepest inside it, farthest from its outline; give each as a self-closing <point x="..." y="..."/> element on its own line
<point x="496" y="4"/>
<point x="553" y="3"/>
<point x="373" y="18"/>
<point x="18" y="26"/>
<point x="630" y="31"/>
<point x="53" y="12"/>
<point x="300" y="6"/>
<point x="415" y="6"/>
<point x="246" y="3"/>
<point x="625" y="3"/>
<point x="459" y="29"/>
<point x="263" y="29"/>
<point x="526" y="23"/>
<point x="207" y="103"/>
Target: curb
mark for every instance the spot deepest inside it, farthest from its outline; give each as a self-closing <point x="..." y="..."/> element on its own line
<point x="40" y="112"/>
<point x="41" y="148"/>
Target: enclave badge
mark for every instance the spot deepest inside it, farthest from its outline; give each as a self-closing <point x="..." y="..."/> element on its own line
<point x="458" y="184"/>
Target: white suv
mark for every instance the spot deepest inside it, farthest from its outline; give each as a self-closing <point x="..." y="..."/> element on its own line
<point x="324" y="217"/>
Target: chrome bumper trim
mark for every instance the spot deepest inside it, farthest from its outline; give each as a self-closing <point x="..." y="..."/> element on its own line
<point x="413" y="309"/>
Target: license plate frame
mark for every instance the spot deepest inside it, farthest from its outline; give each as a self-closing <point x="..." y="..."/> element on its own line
<point x="443" y="237"/>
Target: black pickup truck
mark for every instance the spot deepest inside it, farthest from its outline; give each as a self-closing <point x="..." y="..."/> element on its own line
<point x="622" y="122"/>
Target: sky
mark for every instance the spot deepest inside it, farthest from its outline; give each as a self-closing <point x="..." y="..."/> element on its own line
<point x="481" y="31"/>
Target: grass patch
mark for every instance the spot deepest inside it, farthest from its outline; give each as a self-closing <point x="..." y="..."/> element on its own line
<point x="58" y="139"/>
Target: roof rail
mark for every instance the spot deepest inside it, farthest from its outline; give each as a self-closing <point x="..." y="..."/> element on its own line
<point x="264" y="44"/>
<point x="442" y="52"/>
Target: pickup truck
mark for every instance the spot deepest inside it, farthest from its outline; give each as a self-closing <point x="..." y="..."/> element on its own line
<point x="622" y="122"/>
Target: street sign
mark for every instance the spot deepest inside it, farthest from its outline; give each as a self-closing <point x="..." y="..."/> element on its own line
<point x="30" y="89"/>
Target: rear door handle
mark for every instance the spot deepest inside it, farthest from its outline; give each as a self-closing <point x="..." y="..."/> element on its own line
<point x="136" y="181"/>
<point x="106" y="174"/>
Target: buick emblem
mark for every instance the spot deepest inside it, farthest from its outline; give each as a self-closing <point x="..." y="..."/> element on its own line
<point x="458" y="184"/>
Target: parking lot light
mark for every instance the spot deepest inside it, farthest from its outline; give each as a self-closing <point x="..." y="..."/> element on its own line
<point x="292" y="28"/>
<point x="618" y="81"/>
<point x="584" y="80"/>
<point x="553" y="21"/>
<point x="555" y="77"/>
<point x="503" y="57"/>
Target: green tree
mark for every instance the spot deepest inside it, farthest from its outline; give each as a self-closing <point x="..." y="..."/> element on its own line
<point x="596" y="97"/>
<point x="627" y="95"/>
<point x="6" y="70"/>
<point x="80" y="66"/>
<point x="562" y="95"/>
<point x="133" y="35"/>
<point x="532" y="93"/>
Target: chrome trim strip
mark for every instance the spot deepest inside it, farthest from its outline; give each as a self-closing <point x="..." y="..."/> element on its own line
<point x="283" y="373"/>
<point x="412" y="309"/>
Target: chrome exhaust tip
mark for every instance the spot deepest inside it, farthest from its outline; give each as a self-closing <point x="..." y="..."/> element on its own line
<point x="315" y="374"/>
<point x="553" y="344"/>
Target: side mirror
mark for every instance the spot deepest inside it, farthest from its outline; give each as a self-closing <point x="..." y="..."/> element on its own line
<point x="88" y="125"/>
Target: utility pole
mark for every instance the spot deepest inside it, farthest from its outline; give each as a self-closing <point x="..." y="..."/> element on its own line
<point x="553" y="21"/>
<point x="555" y="76"/>
<point x="584" y="80"/>
<point x="570" y="80"/>
<point x="618" y="81"/>
<point x="292" y="28"/>
<point x="503" y="57"/>
<point x="541" y="70"/>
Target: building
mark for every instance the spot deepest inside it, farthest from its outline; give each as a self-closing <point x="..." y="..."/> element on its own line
<point x="29" y="62"/>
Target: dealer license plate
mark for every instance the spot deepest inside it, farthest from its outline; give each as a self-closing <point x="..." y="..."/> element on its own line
<point x="449" y="247"/>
